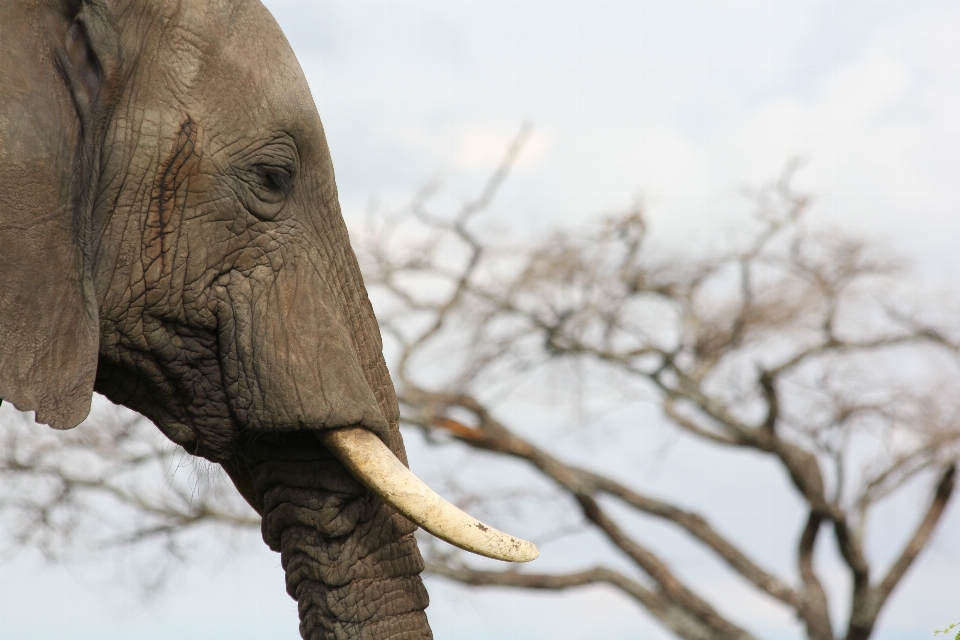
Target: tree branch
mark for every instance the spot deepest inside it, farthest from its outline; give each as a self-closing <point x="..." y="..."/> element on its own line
<point x="863" y="620"/>
<point x="584" y="484"/>
<point x="813" y="609"/>
<point x="676" y="618"/>
<point x="661" y="574"/>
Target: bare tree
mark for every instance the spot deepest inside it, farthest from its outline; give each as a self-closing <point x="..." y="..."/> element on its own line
<point x="113" y="481"/>
<point x="802" y="347"/>
<point x="799" y="346"/>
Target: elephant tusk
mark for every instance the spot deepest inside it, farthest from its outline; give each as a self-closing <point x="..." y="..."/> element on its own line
<point x="373" y="464"/>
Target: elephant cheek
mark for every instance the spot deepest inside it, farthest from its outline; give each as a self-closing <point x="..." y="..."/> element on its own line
<point x="288" y="360"/>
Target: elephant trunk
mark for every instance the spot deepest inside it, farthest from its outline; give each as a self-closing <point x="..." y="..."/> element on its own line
<point x="351" y="562"/>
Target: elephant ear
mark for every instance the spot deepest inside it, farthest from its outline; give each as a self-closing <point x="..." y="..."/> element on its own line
<point x="51" y="86"/>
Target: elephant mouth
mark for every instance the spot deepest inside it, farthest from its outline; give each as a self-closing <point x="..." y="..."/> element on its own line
<point x="287" y="390"/>
<point x="375" y="466"/>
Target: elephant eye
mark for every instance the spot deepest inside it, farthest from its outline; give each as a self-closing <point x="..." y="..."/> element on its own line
<point x="274" y="178"/>
<point x="265" y="176"/>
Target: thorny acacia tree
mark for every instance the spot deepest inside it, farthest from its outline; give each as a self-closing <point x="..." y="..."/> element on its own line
<point x="792" y="344"/>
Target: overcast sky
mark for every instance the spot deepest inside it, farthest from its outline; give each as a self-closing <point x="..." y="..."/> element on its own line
<point x="680" y="103"/>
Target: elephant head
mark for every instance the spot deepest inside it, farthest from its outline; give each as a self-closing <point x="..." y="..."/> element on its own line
<point x="170" y="236"/>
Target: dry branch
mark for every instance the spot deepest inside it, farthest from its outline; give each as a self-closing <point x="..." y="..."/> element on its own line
<point x="775" y="346"/>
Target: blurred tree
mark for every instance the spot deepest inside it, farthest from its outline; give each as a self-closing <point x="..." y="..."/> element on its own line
<point x="799" y="346"/>
<point x="804" y="348"/>
<point x="113" y="481"/>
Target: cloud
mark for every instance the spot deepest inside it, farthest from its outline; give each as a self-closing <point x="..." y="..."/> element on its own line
<point x="482" y="148"/>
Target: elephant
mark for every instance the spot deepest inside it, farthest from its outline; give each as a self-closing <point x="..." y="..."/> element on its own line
<point x="171" y="238"/>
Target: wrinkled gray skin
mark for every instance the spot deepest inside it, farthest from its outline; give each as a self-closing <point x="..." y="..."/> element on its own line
<point x="170" y="237"/>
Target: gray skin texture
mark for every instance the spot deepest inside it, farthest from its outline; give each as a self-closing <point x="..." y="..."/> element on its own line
<point x="170" y="237"/>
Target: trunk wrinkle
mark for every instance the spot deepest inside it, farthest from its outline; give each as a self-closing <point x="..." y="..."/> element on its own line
<point x="351" y="561"/>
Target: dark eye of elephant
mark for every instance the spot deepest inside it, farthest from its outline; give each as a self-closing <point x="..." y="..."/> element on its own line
<point x="265" y="175"/>
<point x="267" y="186"/>
<point x="275" y="179"/>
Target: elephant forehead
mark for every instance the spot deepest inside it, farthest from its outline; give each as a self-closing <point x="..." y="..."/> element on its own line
<point x="232" y="61"/>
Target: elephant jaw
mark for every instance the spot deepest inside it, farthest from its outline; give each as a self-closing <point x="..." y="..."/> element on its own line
<point x="374" y="465"/>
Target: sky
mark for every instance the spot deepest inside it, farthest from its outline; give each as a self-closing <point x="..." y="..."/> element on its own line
<point x="682" y="104"/>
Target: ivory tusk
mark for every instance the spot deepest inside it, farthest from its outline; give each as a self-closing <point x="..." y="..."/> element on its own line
<point x="373" y="464"/>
